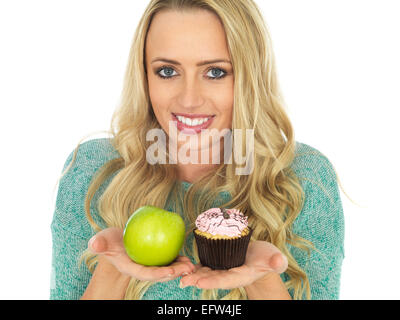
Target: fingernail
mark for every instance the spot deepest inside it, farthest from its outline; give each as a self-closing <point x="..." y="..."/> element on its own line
<point x="197" y="285"/>
<point x="91" y="242"/>
<point x="171" y="272"/>
<point x="184" y="274"/>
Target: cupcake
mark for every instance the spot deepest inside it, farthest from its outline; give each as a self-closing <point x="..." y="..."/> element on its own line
<point x="222" y="237"/>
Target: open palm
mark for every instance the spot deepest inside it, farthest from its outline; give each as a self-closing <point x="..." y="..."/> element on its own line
<point x="109" y="244"/>
<point x="261" y="258"/>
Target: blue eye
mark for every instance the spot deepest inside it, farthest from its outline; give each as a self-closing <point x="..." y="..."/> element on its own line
<point x="168" y="71"/>
<point x="218" y="71"/>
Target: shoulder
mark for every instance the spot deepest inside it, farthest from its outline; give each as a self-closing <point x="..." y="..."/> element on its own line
<point x="321" y="217"/>
<point x="310" y="162"/>
<point x="93" y="153"/>
<point x="74" y="184"/>
<point x="315" y="171"/>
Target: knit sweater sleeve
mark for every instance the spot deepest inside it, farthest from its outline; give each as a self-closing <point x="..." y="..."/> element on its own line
<point x="321" y="221"/>
<point x="69" y="227"/>
<point x="68" y="278"/>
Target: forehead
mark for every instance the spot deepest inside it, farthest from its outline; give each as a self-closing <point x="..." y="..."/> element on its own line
<point x="189" y="35"/>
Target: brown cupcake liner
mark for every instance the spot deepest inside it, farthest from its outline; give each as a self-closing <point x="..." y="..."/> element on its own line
<point x="222" y="254"/>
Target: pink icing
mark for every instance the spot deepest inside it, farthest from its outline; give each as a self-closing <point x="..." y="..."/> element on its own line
<point x="214" y="222"/>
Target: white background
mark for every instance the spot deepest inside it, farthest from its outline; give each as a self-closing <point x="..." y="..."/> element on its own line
<point x="61" y="70"/>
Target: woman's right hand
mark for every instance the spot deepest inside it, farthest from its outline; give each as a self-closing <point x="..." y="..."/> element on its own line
<point x="108" y="243"/>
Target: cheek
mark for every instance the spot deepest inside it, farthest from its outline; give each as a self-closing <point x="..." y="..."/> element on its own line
<point x="225" y="109"/>
<point x="159" y="101"/>
<point x="155" y="94"/>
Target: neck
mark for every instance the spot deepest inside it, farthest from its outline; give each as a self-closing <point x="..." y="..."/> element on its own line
<point x="193" y="172"/>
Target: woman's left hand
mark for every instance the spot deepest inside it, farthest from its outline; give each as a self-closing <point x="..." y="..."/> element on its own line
<point x="262" y="258"/>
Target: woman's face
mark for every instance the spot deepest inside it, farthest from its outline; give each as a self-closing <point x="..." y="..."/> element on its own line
<point x="190" y="89"/>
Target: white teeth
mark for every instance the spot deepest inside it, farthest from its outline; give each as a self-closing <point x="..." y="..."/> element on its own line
<point x="192" y="122"/>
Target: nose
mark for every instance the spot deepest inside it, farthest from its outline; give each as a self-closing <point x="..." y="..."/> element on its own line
<point x="190" y="95"/>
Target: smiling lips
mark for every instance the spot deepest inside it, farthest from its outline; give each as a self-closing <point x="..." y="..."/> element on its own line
<point x="192" y="124"/>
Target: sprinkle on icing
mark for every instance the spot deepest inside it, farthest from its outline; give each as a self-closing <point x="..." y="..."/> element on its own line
<point x="228" y="222"/>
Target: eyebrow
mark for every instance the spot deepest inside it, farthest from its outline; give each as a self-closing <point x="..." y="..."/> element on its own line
<point x="201" y="63"/>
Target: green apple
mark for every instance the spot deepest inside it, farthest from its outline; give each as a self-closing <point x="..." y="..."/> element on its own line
<point x="154" y="236"/>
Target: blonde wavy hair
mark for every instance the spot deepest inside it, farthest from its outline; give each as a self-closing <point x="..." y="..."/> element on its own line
<point x="271" y="196"/>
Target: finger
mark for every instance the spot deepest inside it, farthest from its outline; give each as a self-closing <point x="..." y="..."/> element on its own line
<point x="182" y="268"/>
<point x="227" y="279"/>
<point x="264" y="256"/>
<point x="183" y="259"/>
<point x="97" y="244"/>
<point x="149" y="273"/>
<point x="191" y="279"/>
<point x="152" y="273"/>
<point x="166" y="273"/>
<point x="178" y="271"/>
<point x="198" y="266"/>
<point x="107" y="241"/>
<point x="186" y="261"/>
<point x="100" y="245"/>
<point x="182" y="265"/>
<point x="279" y="263"/>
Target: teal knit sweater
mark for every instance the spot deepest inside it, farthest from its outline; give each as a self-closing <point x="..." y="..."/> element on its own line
<point x="321" y="221"/>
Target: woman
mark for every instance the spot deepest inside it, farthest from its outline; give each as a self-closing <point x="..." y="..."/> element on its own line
<point x="290" y="195"/>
